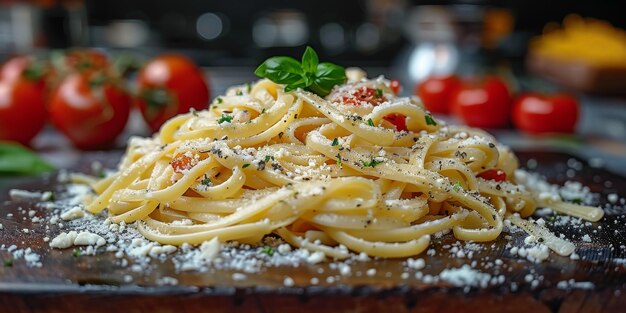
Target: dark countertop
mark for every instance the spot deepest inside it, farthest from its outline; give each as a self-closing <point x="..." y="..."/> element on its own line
<point x="96" y="283"/>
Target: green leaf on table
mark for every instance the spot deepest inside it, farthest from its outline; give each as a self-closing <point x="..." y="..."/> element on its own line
<point x="16" y="159"/>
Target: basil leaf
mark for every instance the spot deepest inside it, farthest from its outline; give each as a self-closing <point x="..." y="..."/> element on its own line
<point x="281" y="70"/>
<point x="311" y="75"/>
<point x="327" y="76"/>
<point x="309" y="60"/>
<point x="16" y="159"/>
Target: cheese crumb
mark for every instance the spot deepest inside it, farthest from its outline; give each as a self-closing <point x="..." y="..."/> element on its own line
<point x="72" y="214"/>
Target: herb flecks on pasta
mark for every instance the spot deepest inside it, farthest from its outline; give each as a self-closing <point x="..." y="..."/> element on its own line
<point x="327" y="174"/>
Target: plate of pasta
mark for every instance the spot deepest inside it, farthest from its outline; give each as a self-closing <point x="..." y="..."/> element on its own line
<point x="324" y="167"/>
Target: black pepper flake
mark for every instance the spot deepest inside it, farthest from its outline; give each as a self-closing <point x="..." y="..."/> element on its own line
<point x="261" y="165"/>
<point x="491" y="145"/>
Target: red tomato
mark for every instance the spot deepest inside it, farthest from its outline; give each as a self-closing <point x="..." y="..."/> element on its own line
<point x="86" y="59"/>
<point x="485" y="104"/>
<point x="398" y="120"/>
<point x="182" y="162"/>
<point x="22" y="100"/>
<point x="493" y="174"/>
<point x="395" y="86"/>
<point x="90" y="110"/>
<point x="436" y="92"/>
<point x="170" y="85"/>
<point x="364" y="94"/>
<point x="535" y="114"/>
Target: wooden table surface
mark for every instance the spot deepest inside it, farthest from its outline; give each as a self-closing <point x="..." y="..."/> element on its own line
<point x="96" y="283"/>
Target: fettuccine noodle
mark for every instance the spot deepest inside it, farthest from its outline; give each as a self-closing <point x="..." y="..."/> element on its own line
<point x="324" y="174"/>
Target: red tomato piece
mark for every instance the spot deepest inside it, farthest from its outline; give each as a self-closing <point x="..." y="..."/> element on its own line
<point x="395" y="86"/>
<point x="398" y="120"/>
<point x="485" y="104"/>
<point x="535" y="113"/>
<point x="182" y="162"/>
<point x="493" y="174"/>
<point x="169" y="85"/>
<point x="22" y="100"/>
<point x="91" y="110"/>
<point x="436" y="92"/>
<point x="364" y="95"/>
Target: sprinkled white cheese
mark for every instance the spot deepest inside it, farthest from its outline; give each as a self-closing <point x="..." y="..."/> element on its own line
<point x="72" y="214"/>
<point x="85" y="238"/>
<point x="64" y="240"/>
<point x="316" y="257"/>
<point x="210" y="249"/>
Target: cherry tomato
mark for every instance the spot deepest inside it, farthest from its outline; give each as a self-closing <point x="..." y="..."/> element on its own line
<point x="91" y="110"/>
<point x="535" y="114"/>
<point x="493" y="174"/>
<point x="395" y="86"/>
<point x="22" y="100"/>
<point x="485" y="104"/>
<point x="170" y="85"/>
<point x="436" y="92"/>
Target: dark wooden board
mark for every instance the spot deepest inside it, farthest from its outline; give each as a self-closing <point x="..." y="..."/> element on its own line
<point x="96" y="283"/>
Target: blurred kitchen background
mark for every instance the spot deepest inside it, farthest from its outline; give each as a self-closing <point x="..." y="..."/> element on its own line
<point x="406" y="40"/>
<point x="420" y="36"/>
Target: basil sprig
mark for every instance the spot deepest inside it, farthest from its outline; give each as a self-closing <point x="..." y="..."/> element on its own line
<point x="309" y="74"/>
<point x="16" y="160"/>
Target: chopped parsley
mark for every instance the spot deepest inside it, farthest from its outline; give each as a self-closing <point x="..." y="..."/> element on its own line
<point x="8" y="263"/>
<point x="371" y="163"/>
<point x="268" y="250"/>
<point x="379" y="92"/>
<point x="339" y="161"/>
<point x="225" y="118"/>
<point x="245" y="165"/>
<point x="220" y="100"/>
<point x="430" y="120"/>
<point x="457" y="186"/>
<point x="194" y="112"/>
<point x="335" y="142"/>
<point x="370" y="122"/>
<point x="76" y="253"/>
<point x="268" y="157"/>
<point x="263" y="111"/>
<point x="206" y="181"/>
<point x="239" y="93"/>
<point x="248" y="87"/>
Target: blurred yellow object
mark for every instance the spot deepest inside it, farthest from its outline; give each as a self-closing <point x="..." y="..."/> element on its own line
<point x="590" y="41"/>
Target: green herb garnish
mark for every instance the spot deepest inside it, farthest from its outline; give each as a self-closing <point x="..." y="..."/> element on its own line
<point x="335" y="142"/>
<point x="248" y="87"/>
<point x="379" y="92"/>
<point x="225" y="118"/>
<point x="8" y="263"/>
<point x="76" y="253"/>
<point x="239" y="93"/>
<point x="16" y="159"/>
<point x="206" y="181"/>
<point x="430" y="120"/>
<point x="339" y="161"/>
<point x="371" y="163"/>
<point x="309" y="74"/>
<point x="245" y="165"/>
<point x="370" y="122"/>
<point x="268" y="250"/>
<point x="220" y="100"/>
<point x="457" y="186"/>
